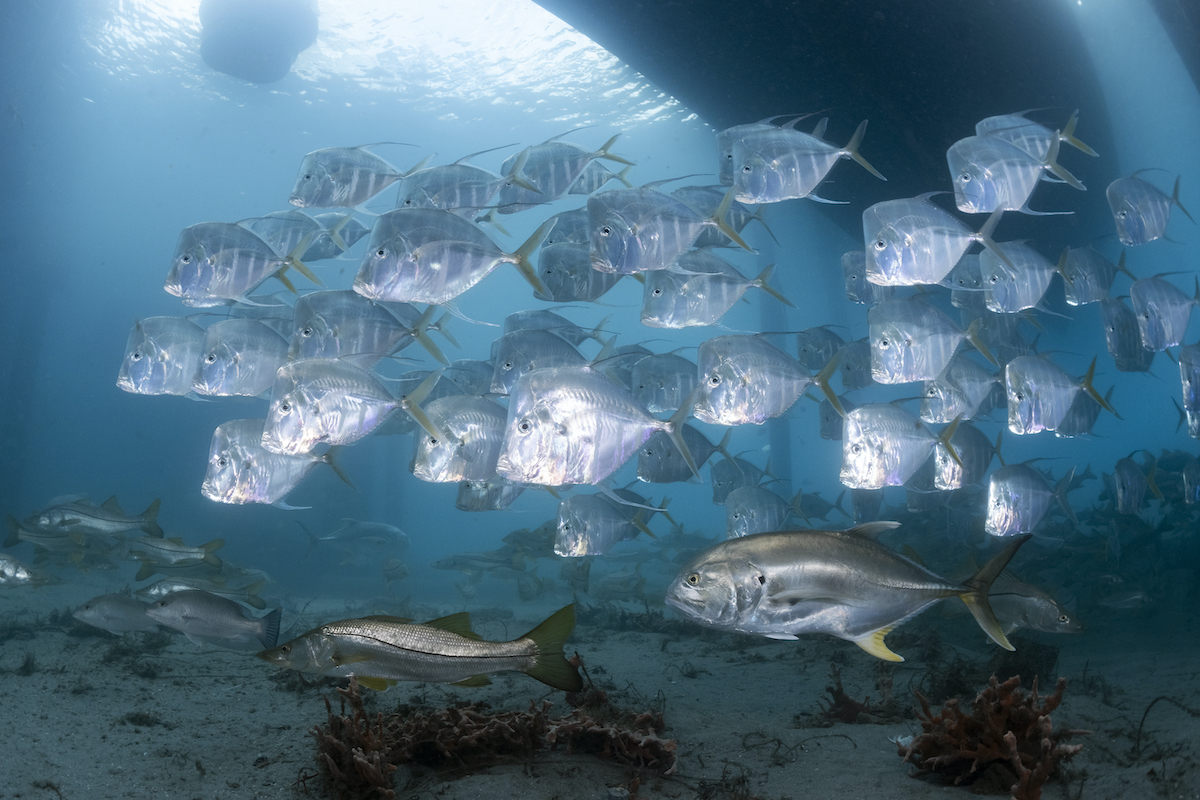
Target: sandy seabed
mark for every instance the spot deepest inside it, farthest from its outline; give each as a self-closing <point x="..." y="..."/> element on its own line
<point x="88" y="715"/>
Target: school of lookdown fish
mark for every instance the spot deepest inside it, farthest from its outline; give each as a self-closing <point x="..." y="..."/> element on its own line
<point x="538" y="413"/>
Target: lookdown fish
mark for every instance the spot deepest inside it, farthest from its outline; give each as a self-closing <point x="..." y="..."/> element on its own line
<point x="815" y="346"/>
<point x="912" y="340"/>
<point x="1082" y="415"/>
<point x="344" y="324"/>
<point x="469" y="445"/>
<point x="590" y="524"/>
<point x="550" y="170"/>
<point x="912" y="241"/>
<point x="1189" y="376"/>
<point x="638" y="230"/>
<point x="1131" y="484"/>
<point x="727" y="137"/>
<point x="546" y="320"/>
<point x="958" y="391"/>
<point x="569" y="425"/>
<point x="854" y="365"/>
<point x="1018" y="498"/>
<point x="774" y="164"/>
<point x="706" y="200"/>
<point x="662" y="382"/>
<point x="698" y="289"/>
<point x="1032" y="137"/>
<point x="422" y="255"/>
<point x="746" y="379"/>
<point x="239" y="357"/>
<point x="342" y="177"/>
<point x="1087" y="275"/>
<point x="565" y="270"/>
<point x="883" y="445"/>
<point x="161" y="356"/>
<point x="753" y="509"/>
<point x="461" y="187"/>
<point x="328" y="400"/>
<point x="730" y="473"/>
<point x="858" y="288"/>
<point x="1162" y="311"/>
<point x="378" y="651"/>
<point x="523" y="351"/>
<point x="990" y="173"/>
<point x="1015" y="277"/>
<point x="283" y="230"/>
<point x="494" y="494"/>
<point x="220" y="263"/>
<point x="241" y="470"/>
<point x="831" y="423"/>
<point x="115" y="613"/>
<point x="975" y="451"/>
<point x="1140" y="210"/>
<point x="1123" y="336"/>
<point x="1040" y="394"/>
<point x="210" y="619"/>
<point x="659" y="461"/>
<point x="843" y="583"/>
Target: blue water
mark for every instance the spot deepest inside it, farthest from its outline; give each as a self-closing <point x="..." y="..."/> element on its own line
<point x="117" y="136"/>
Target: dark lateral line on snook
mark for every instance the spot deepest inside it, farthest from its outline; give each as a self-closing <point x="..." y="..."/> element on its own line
<point x="439" y="655"/>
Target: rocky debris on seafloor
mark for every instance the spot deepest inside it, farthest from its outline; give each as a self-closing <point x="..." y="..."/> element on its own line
<point x="1007" y="740"/>
<point x="360" y="754"/>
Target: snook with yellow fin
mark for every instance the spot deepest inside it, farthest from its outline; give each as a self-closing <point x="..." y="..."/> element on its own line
<point x="843" y="583"/>
<point x="381" y="650"/>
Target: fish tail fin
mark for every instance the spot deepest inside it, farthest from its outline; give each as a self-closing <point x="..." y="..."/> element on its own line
<point x="330" y="460"/>
<point x="549" y="665"/>
<point x="985" y="237"/>
<point x="1068" y="136"/>
<point x="758" y="215"/>
<point x="292" y="260"/>
<point x="946" y="435"/>
<point x="1152" y="462"/>
<point x="312" y="539"/>
<point x="492" y="218"/>
<point x="722" y="446"/>
<point x="145" y="571"/>
<point x="822" y="381"/>
<point x="999" y="436"/>
<point x="14" y="530"/>
<point x="674" y="428"/>
<point x="1061" y="267"/>
<point x="796" y="501"/>
<point x="421" y="331"/>
<point x="1060" y="494"/>
<point x="210" y="552"/>
<point x="270" y="629"/>
<point x="977" y="341"/>
<point x="521" y="257"/>
<point x="1086" y="385"/>
<point x="1051" y="163"/>
<point x="150" y="524"/>
<point x="623" y="176"/>
<point x="515" y="175"/>
<point x="761" y="283"/>
<point x="851" y="149"/>
<point x="441" y="327"/>
<point x="1178" y="408"/>
<point x="1175" y="200"/>
<point x="642" y="526"/>
<point x="838" y="505"/>
<point x="598" y="331"/>
<point x="607" y="156"/>
<point x="420" y="165"/>
<point x="1122" y="268"/>
<point x="335" y="233"/>
<point x="977" y="588"/>
<point x="718" y="218"/>
<point x="411" y="403"/>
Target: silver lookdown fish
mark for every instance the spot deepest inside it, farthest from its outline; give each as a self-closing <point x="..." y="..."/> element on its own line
<point x="1032" y="137"/>
<point x="239" y="357"/>
<point x="990" y="173"/>
<point x="843" y="583"/>
<point x="1140" y="209"/>
<point x="469" y="446"/>
<point x="1087" y="275"/>
<point x="220" y="263"/>
<point x="1189" y="377"/>
<point x="1162" y="311"/>
<point x="884" y="445"/>
<point x="912" y="340"/>
<point x="1123" y="336"/>
<point x="698" y="289"/>
<point x="378" y="651"/>
<point x="342" y="177"/>
<point x="241" y="470"/>
<point x="1040" y="394"/>
<point x="774" y="164"/>
<point x="161" y="356"/>
<point x="1018" y="498"/>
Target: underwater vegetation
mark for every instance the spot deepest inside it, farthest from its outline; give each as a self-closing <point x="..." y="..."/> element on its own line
<point x="1007" y="740"/>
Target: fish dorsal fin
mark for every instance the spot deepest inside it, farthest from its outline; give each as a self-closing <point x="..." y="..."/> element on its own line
<point x="473" y="681"/>
<point x="870" y="530"/>
<point x="874" y="645"/>
<point x="912" y="555"/>
<point x="459" y="623"/>
<point x="378" y="684"/>
<point x="111" y="504"/>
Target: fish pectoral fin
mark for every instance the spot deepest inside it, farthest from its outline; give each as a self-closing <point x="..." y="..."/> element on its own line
<point x="874" y="645"/>
<point x="788" y="637"/>
<point x="474" y="681"/>
<point x="378" y="684"/>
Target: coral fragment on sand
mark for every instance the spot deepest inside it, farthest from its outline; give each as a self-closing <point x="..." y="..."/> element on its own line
<point x="1007" y="739"/>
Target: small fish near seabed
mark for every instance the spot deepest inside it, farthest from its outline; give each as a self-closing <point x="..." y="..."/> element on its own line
<point x="115" y="613"/>
<point x="380" y="650"/>
<point x="843" y="583"/>
<point x="206" y="618"/>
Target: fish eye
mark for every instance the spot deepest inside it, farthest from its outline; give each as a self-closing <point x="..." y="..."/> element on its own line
<point x="746" y="169"/>
<point x="606" y="230"/>
<point x="221" y="462"/>
<point x="1122" y="214"/>
<point x="1064" y="618"/>
<point x="856" y="448"/>
<point x="524" y="426"/>
<point x="408" y="201"/>
<point x="880" y="244"/>
<point x="136" y="355"/>
<point x="285" y="406"/>
<point x="381" y="252"/>
<point x="965" y="177"/>
<point x="285" y="649"/>
<point x="185" y="258"/>
<point x="994" y="279"/>
<point x="693" y="579"/>
<point x="306" y="331"/>
<point x="308" y="177"/>
<point x="656" y="291"/>
<point x="432" y="442"/>
<point x="1020" y="396"/>
<point x="211" y="358"/>
<point x="884" y="343"/>
<point x="507" y="365"/>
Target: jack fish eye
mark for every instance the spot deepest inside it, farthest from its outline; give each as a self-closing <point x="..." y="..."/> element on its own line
<point x="715" y="380"/>
<point x="856" y="448"/>
<point x="524" y="426"/>
<point x="693" y="579"/>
